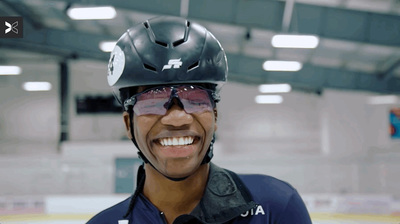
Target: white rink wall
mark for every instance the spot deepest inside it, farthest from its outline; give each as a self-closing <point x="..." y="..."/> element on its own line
<point x="334" y="143"/>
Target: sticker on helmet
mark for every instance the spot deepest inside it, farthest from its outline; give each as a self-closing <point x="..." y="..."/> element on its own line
<point x="173" y="63"/>
<point x="115" y="65"/>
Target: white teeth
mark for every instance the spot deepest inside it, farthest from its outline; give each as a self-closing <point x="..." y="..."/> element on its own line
<point x="176" y="141"/>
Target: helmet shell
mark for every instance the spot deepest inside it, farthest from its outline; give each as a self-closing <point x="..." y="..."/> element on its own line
<point x="166" y="50"/>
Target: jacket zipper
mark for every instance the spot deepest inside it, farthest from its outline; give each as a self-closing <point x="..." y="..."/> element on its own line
<point x="163" y="217"/>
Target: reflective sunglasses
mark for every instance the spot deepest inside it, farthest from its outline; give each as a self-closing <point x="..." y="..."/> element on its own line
<point x="157" y="100"/>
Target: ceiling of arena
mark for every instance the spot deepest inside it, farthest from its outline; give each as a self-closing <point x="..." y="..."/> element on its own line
<point x="359" y="39"/>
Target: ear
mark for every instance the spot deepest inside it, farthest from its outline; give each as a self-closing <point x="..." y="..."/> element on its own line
<point x="125" y="115"/>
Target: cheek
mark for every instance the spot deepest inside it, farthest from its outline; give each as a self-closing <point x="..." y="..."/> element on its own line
<point x="207" y="121"/>
<point x="142" y="126"/>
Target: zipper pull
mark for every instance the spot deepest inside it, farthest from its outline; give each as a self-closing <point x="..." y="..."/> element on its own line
<point x="163" y="217"/>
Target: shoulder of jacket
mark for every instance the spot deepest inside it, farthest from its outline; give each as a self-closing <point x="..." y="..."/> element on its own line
<point x="265" y="181"/>
<point x="268" y="189"/>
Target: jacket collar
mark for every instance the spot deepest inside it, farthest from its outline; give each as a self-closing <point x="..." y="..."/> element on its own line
<point x="225" y="198"/>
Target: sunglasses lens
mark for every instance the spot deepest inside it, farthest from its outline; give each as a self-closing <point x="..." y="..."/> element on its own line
<point x="155" y="101"/>
<point x="195" y="100"/>
<point x="152" y="101"/>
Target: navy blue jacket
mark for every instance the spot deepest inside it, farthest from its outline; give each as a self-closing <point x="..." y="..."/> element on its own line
<point x="228" y="198"/>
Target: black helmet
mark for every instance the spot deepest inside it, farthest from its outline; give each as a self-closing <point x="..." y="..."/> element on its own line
<point x="166" y="50"/>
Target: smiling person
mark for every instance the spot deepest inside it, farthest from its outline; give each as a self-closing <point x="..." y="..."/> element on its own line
<point x="167" y="73"/>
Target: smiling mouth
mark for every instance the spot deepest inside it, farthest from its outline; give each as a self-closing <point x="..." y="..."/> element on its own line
<point x="177" y="141"/>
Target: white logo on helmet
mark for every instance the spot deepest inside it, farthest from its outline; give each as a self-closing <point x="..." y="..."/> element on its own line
<point x="115" y="65"/>
<point x="173" y="63"/>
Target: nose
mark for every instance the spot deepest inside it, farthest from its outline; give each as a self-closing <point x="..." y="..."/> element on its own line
<point x="176" y="116"/>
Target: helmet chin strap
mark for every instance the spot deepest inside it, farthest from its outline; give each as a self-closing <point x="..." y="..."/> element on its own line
<point x="207" y="158"/>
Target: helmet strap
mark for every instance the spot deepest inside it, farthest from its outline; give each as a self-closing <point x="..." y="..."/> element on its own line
<point x="210" y="152"/>
<point x="140" y="154"/>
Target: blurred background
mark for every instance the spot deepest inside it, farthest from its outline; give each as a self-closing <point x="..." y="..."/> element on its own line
<point x="330" y="128"/>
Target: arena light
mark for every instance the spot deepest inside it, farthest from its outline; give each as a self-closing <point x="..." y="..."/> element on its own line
<point x="92" y="13"/>
<point x="384" y="99"/>
<point x="286" y="66"/>
<point x="107" y="46"/>
<point x="36" y="86"/>
<point x="275" y="88"/>
<point x="269" y="99"/>
<point x="10" y="70"/>
<point x="295" y="41"/>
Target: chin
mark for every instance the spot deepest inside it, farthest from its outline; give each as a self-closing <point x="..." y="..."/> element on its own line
<point x="179" y="169"/>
